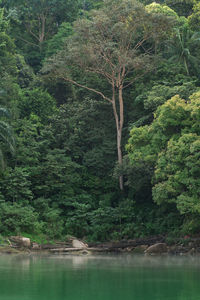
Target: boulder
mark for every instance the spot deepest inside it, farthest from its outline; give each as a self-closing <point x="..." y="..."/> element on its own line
<point x="78" y="244"/>
<point x="157" y="248"/>
<point x="21" y="241"/>
<point x="36" y="246"/>
<point x="85" y="252"/>
<point x="192" y="251"/>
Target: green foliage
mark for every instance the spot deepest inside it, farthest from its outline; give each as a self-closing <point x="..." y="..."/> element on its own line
<point x="53" y="224"/>
<point x="177" y="174"/>
<point x="7" y="141"/>
<point x="38" y="237"/>
<point x="182" y="49"/>
<point x="85" y="129"/>
<point x="160" y="93"/>
<point x="182" y="7"/>
<point x="25" y="72"/>
<point x="37" y="102"/>
<point x="194" y="18"/>
<point x="157" y="8"/>
<point x="15" y="219"/>
<point x="62" y="178"/>
<point x="3" y="241"/>
<point x="15" y="185"/>
<point x="7" y="47"/>
<point x="77" y="216"/>
<point x="87" y="5"/>
<point x="191" y="225"/>
<point x="84" y="48"/>
<point x="171" y="145"/>
<point x="34" y="22"/>
<point x="100" y="45"/>
<point x="57" y="41"/>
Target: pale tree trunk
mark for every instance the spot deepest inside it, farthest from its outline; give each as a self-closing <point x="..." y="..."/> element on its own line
<point x="40" y="36"/>
<point x="119" y="119"/>
<point x="42" y="28"/>
<point x="119" y="153"/>
<point x="119" y="139"/>
<point x="42" y="23"/>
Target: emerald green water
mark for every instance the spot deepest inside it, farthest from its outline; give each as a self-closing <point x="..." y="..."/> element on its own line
<point x="99" y="278"/>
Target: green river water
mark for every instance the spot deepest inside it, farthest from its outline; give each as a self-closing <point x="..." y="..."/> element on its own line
<point x="99" y="278"/>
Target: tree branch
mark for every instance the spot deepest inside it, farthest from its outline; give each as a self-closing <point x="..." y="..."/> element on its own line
<point x="27" y="42"/>
<point x="88" y="88"/>
<point x="101" y="72"/>
<point x="136" y="78"/>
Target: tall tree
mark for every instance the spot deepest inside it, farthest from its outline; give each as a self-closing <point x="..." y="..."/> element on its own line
<point x="41" y="18"/>
<point x="34" y="22"/>
<point x="115" y="44"/>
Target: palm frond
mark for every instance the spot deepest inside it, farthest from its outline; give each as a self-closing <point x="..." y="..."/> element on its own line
<point x="2" y="162"/>
<point x="4" y="112"/>
<point x="6" y="135"/>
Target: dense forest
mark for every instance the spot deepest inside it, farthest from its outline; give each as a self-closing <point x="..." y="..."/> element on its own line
<point x="100" y="118"/>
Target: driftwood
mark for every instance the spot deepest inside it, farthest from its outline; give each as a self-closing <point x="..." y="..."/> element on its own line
<point x="106" y="247"/>
<point x="62" y="250"/>
<point x="116" y="246"/>
<point x="66" y="249"/>
<point x="55" y="246"/>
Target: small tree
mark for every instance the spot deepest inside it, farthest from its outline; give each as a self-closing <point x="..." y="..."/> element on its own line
<point x="116" y="44"/>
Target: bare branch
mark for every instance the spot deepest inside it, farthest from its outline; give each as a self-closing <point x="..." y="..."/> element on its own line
<point x="28" y="42"/>
<point x="88" y="88"/>
<point x="137" y="77"/>
<point x="101" y="72"/>
<point x="141" y="42"/>
<point x="34" y="35"/>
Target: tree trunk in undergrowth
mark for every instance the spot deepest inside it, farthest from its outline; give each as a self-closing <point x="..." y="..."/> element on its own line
<point x="119" y="119"/>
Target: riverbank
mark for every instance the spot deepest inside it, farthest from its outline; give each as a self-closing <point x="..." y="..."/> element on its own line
<point x="149" y="246"/>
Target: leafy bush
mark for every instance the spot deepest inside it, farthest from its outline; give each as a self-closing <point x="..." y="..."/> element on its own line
<point x="15" y="219"/>
<point x="53" y="224"/>
<point x="170" y="146"/>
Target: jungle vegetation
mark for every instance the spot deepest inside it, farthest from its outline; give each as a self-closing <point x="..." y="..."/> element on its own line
<point x="99" y="118"/>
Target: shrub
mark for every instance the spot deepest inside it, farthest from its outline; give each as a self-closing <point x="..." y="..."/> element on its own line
<point x="15" y="219"/>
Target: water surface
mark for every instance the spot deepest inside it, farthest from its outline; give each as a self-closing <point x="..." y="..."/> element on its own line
<point x="99" y="278"/>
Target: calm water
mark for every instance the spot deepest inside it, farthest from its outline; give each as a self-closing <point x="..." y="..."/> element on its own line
<point x="99" y="278"/>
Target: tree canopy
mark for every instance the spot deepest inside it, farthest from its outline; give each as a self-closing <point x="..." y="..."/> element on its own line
<point x="170" y="145"/>
<point x="115" y="43"/>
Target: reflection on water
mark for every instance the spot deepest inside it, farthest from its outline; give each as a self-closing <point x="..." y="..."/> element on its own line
<point x="105" y="277"/>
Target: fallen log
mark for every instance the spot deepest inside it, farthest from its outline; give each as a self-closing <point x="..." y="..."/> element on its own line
<point x="66" y="249"/>
<point x="53" y="246"/>
<point x="92" y="249"/>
